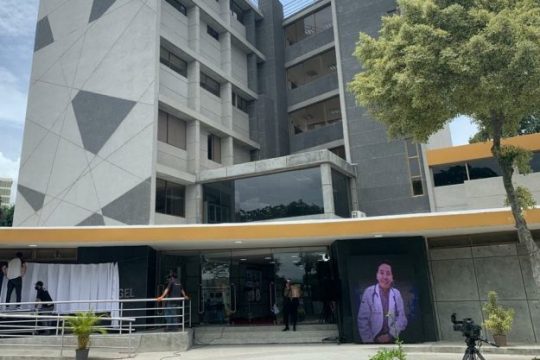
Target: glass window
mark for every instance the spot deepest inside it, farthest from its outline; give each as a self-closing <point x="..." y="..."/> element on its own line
<point x="172" y="61"/>
<point x="316" y="116"/>
<point x="237" y="12"/>
<point x="535" y="162"/>
<point x="178" y="6"/>
<point x="308" y="26"/>
<point x="342" y="196"/>
<point x="214" y="148"/>
<point x="312" y="69"/>
<point x="171" y="130"/>
<point x="239" y="102"/>
<point x="170" y="198"/>
<point x="281" y="195"/>
<point x="212" y="32"/>
<point x="418" y="188"/>
<point x="210" y="85"/>
<point x="449" y="174"/>
<point x="484" y="168"/>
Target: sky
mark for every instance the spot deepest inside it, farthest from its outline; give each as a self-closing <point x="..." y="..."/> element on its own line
<point x="17" y="28"/>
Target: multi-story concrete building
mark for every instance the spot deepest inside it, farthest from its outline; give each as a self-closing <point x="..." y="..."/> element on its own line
<point x="151" y="112"/>
<point x="170" y="112"/>
<point x="5" y="191"/>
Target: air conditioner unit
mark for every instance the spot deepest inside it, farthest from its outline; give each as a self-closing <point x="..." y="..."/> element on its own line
<point x="358" y="214"/>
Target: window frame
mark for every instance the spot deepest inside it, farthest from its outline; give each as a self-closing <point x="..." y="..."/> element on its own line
<point x="167" y="199"/>
<point x="214" y="148"/>
<point x="212" y="32"/>
<point x="171" y="118"/>
<point x="206" y="82"/>
<point x="168" y="62"/>
<point x="181" y="8"/>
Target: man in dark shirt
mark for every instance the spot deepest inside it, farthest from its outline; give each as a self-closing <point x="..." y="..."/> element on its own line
<point x="43" y="296"/>
<point x="174" y="289"/>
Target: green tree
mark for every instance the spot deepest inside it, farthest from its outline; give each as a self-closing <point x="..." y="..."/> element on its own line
<point x="6" y="215"/>
<point x="438" y="59"/>
<point x="528" y="125"/>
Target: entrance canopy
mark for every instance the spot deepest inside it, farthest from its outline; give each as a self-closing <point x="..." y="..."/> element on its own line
<point x="269" y="234"/>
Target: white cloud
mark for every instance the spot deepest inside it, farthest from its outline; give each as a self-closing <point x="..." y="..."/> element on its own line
<point x="17" y="16"/>
<point x="10" y="169"/>
<point x="12" y="100"/>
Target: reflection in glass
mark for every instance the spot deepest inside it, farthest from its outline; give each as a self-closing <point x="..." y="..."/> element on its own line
<point x="312" y="69"/>
<point x="281" y="195"/>
<point x="449" y="175"/>
<point x="342" y="198"/>
<point x="309" y="25"/>
<point x="316" y="116"/>
<point x="484" y="168"/>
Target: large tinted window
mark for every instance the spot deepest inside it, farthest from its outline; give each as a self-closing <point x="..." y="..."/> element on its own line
<point x="449" y="174"/>
<point x="171" y="130"/>
<point x="484" y="168"/>
<point x="172" y="61"/>
<point x="342" y="198"/>
<point x="170" y="198"/>
<point x="535" y="162"/>
<point x="288" y="194"/>
<point x="312" y="69"/>
<point x="316" y="116"/>
<point x="309" y="26"/>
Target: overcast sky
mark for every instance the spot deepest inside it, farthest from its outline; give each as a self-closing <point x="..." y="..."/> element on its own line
<point x="17" y="28"/>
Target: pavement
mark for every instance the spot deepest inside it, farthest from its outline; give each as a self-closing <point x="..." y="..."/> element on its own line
<point x="273" y="352"/>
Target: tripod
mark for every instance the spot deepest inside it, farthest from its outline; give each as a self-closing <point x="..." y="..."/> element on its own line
<point x="472" y="352"/>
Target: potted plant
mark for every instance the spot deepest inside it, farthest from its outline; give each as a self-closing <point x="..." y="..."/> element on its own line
<point x="499" y="319"/>
<point x="82" y="325"/>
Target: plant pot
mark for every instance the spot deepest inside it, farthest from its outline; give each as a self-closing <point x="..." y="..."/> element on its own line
<point x="500" y="340"/>
<point x="81" y="354"/>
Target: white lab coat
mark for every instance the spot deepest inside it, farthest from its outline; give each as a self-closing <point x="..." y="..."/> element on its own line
<point x="370" y="314"/>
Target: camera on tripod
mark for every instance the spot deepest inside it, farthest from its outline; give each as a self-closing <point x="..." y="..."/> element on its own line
<point x="467" y="327"/>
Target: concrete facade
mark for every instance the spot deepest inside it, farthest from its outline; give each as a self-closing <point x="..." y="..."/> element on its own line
<point x="5" y="191"/>
<point x="475" y="270"/>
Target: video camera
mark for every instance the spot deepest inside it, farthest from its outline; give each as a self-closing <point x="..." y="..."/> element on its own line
<point x="467" y="327"/>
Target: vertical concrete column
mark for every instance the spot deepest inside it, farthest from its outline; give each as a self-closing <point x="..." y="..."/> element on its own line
<point x="327" y="190"/>
<point x="249" y="23"/>
<point x="225" y="11"/>
<point x="227" y="151"/>
<point x="354" y="195"/>
<point x="194" y="85"/>
<point x="253" y="83"/>
<point x="194" y="204"/>
<point x="226" y="52"/>
<point x="226" y="105"/>
<point x="193" y="144"/>
<point x="194" y="28"/>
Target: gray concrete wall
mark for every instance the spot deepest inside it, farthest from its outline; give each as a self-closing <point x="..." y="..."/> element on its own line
<point x="384" y="185"/>
<point x="89" y="142"/>
<point x="463" y="276"/>
<point x="320" y="86"/>
<point x="309" y="44"/>
<point x="269" y="118"/>
<point x="316" y="137"/>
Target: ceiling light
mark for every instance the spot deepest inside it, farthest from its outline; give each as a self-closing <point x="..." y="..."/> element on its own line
<point x="32" y="245"/>
<point x="243" y="259"/>
<point x="268" y="258"/>
<point x="377" y="235"/>
<point x="238" y="242"/>
<point x="294" y="256"/>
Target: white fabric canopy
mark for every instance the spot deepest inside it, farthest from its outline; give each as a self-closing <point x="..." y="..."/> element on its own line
<point x="72" y="282"/>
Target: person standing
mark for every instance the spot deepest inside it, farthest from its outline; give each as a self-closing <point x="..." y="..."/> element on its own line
<point x="43" y="296"/>
<point x="16" y="268"/>
<point x="381" y="315"/>
<point x="174" y="289"/>
<point x="287" y="296"/>
<point x="296" y="293"/>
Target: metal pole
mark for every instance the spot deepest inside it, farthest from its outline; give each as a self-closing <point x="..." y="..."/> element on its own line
<point x="190" y="313"/>
<point x="183" y="314"/>
<point x="121" y="316"/>
<point x="130" y="343"/>
<point x="62" y="343"/>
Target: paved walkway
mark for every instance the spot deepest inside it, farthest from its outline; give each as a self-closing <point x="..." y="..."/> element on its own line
<point x="260" y="352"/>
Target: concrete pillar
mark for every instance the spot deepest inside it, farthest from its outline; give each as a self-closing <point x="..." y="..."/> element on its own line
<point x="194" y="28"/>
<point x="253" y="83"/>
<point x="327" y="190"/>
<point x="225" y="11"/>
<point x="194" y="85"/>
<point x="226" y="52"/>
<point x="227" y="151"/>
<point x="193" y="140"/>
<point x="226" y="105"/>
<point x="249" y="23"/>
<point x="194" y="204"/>
<point x="354" y="195"/>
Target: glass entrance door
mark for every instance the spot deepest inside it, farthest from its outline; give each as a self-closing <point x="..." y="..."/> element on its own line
<point x="216" y="301"/>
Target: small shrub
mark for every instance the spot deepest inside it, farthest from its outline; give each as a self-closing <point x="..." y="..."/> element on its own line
<point x="390" y="354"/>
<point x="499" y="319"/>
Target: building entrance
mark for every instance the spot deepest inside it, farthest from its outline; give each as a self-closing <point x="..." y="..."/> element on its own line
<point x="246" y="287"/>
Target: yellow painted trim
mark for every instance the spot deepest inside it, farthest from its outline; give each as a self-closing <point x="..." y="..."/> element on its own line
<point x="388" y="226"/>
<point x="457" y="154"/>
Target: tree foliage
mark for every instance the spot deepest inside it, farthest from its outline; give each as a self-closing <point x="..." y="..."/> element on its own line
<point x="6" y="215"/>
<point x="528" y="125"/>
<point x="438" y="59"/>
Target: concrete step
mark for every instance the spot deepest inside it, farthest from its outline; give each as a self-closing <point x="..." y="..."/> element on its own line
<point x="252" y="335"/>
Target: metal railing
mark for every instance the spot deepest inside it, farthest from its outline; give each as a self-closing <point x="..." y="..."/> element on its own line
<point x="124" y="316"/>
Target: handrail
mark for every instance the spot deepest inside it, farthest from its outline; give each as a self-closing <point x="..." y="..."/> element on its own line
<point x="102" y="301"/>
